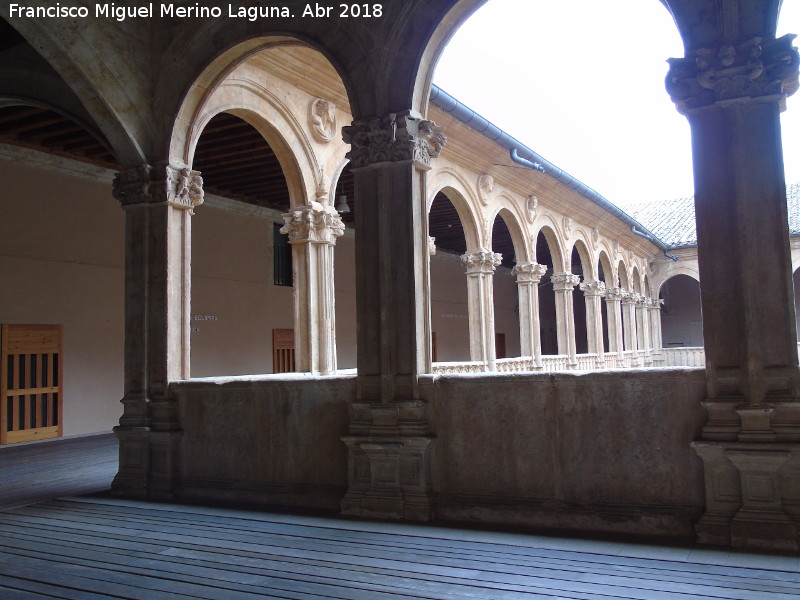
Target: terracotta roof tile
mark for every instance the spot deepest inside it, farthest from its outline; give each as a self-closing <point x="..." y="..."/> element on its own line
<point x="673" y="220"/>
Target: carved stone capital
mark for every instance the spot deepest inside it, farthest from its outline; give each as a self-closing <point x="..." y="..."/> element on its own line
<point x="755" y="68"/>
<point x="481" y="261"/>
<point x="631" y="298"/>
<point x="564" y="281"/>
<point x="395" y="137"/>
<point x="614" y="294"/>
<point x="431" y="246"/>
<point x="529" y="272"/>
<point x="312" y="224"/>
<point x="593" y="288"/>
<point x="179" y="187"/>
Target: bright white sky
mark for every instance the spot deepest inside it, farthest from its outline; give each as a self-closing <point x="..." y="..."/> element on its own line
<point x="587" y="93"/>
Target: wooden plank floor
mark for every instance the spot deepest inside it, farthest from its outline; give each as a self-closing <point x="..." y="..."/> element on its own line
<point x="99" y="547"/>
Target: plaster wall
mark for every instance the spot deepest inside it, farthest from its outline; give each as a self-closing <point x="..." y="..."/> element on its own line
<point x="61" y="259"/>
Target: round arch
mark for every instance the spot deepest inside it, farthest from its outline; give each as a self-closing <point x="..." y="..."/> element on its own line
<point x="555" y="245"/>
<point x="515" y="228"/>
<point x="453" y="185"/>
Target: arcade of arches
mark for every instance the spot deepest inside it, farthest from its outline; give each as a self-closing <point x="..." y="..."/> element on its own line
<point x="332" y="285"/>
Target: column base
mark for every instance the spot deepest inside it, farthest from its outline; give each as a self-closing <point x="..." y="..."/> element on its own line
<point x="132" y="478"/>
<point x="388" y="478"/>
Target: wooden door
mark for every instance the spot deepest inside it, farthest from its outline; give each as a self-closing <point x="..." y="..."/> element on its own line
<point x="31" y="382"/>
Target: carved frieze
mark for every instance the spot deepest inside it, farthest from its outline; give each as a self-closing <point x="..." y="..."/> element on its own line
<point x="485" y="188"/>
<point x="481" y="261"/>
<point x="310" y="224"/>
<point x="526" y="272"/>
<point x="593" y="288"/>
<point x="322" y="119"/>
<point x="754" y="68"/>
<point x="564" y="281"/>
<point x="395" y="137"/>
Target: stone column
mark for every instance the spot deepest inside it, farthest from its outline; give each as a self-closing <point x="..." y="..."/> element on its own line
<point x="629" y="300"/>
<point x="643" y="331"/>
<point x="594" y="291"/>
<point x="732" y="95"/>
<point x="390" y="429"/>
<point x="528" y="275"/>
<point x="565" y="316"/>
<point x="654" y="317"/>
<point x="312" y="231"/>
<point x="614" y="316"/>
<point x="480" y="266"/>
<point x="158" y="203"/>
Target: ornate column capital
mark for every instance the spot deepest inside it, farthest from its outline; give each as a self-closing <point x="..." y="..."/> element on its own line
<point x="529" y="272"/>
<point x="614" y="294"/>
<point x="564" y="281"/>
<point x="312" y="224"/>
<point x="756" y="68"/>
<point x="163" y="184"/>
<point x="593" y="288"/>
<point x="395" y="137"/>
<point x="481" y="261"/>
<point x="629" y="298"/>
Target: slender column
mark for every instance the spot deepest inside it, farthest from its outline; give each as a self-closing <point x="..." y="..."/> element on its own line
<point x="654" y="317"/>
<point x="629" y="300"/>
<point x="594" y="291"/>
<point x="732" y="95"/>
<point x="480" y="266"/>
<point x="312" y="231"/>
<point x="565" y="316"/>
<point x="390" y="428"/>
<point x="614" y="316"/>
<point x="643" y="331"/>
<point x="528" y="275"/>
<point x="158" y="204"/>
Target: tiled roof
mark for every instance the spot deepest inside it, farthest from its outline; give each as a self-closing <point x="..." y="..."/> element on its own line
<point x="673" y="220"/>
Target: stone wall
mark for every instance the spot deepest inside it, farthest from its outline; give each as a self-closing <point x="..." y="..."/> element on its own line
<point x="593" y="451"/>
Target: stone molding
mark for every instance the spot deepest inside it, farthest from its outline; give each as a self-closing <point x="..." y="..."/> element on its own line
<point x="481" y="261"/>
<point x="165" y="184"/>
<point x="529" y="272"/>
<point x="755" y="68"/>
<point x="393" y="138"/>
<point x="593" y="288"/>
<point x="312" y="224"/>
<point x="564" y="281"/>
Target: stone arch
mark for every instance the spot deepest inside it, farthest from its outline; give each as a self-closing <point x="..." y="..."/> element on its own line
<point x="445" y="28"/>
<point x="555" y="245"/>
<point x="588" y="265"/>
<point x="453" y="185"/>
<point x="609" y="274"/>
<point x="636" y="282"/>
<point x="622" y="275"/>
<point x="254" y="102"/>
<point x="516" y="229"/>
<point x="679" y="268"/>
<point x="681" y="314"/>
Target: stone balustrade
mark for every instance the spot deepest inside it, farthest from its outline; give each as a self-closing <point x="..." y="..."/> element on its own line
<point x="683" y="356"/>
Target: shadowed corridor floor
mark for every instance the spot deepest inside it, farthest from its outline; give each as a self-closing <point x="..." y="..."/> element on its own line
<point x="94" y="547"/>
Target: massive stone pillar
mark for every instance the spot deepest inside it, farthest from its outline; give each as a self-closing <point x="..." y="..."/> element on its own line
<point x="565" y="316"/>
<point x="629" y="300"/>
<point x="390" y="429"/>
<point x="732" y="95"/>
<point x="312" y="231"/>
<point x="594" y="292"/>
<point x="614" y="315"/>
<point x="158" y="203"/>
<point x="528" y="275"/>
<point x="480" y="266"/>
